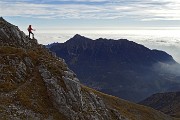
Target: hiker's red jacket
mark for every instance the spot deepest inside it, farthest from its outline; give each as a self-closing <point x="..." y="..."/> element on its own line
<point x="30" y="29"/>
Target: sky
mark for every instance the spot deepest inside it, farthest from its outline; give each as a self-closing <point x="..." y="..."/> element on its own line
<point x="92" y="13"/>
<point x="154" y="23"/>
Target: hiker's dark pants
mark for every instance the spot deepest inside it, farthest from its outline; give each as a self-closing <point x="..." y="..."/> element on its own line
<point x="31" y="33"/>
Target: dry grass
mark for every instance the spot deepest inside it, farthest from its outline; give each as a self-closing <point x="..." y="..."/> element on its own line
<point x="11" y="50"/>
<point x="31" y="93"/>
<point x="130" y="110"/>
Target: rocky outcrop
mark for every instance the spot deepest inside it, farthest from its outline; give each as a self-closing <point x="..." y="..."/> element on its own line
<point x="73" y="102"/>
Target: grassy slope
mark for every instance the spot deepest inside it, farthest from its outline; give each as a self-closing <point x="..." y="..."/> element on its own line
<point x="130" y="110"/>
<point x="31" y="94"/>
<point x="168" y="103"/>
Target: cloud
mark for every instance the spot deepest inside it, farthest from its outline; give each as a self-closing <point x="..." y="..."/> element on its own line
<point x="147" y="10"/>
<point x="172" y="68"/>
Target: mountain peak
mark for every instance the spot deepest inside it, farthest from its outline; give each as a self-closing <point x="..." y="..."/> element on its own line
<point x="3" y="22"/>
<point x="2" y="19"/>
<point x="78" y="40"/>
<point x="78" y="36"/>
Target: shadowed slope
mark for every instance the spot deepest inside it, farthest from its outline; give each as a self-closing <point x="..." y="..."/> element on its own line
<point x="168" y="103"/>
<point x="119" y="67"/>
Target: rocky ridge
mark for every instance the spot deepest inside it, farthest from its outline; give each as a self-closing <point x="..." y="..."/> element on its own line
<point x="35" y="84"/>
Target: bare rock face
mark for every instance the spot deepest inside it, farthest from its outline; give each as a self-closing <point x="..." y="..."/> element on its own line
<point x="74" y="103"/>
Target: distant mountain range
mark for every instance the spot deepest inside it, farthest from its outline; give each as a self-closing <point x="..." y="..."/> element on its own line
<point x="119" y="67"/>
<point x="168" y="103"/>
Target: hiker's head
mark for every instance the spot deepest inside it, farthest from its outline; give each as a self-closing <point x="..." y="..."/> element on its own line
<point x="29" y="25"/>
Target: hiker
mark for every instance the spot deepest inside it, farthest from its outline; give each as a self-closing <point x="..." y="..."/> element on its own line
<point x="30" y="31"/>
